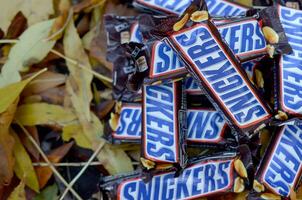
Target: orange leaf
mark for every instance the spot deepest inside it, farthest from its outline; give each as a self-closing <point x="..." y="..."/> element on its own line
<point x="55" y="156"/>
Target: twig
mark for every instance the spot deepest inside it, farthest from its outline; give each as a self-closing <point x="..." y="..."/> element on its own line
<point x="69" y="17"/>
<point x="82" y="170"/>
<point x="83" y="67"/>
<point x="8" y="41"/>
<point x="48" y="162"/>
<point x="79" y="164"/>
<point x="77" y="64"/>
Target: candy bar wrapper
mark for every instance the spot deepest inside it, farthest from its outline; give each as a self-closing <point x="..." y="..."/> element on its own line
<point x="126" y="85"/>
<point x="203" y="177"/>
<point x="280" y="168"/>
<point x="220" y="8"/>
<point x="164" y="126"/>
<point x="295" y="4"/>
<point x="120" y="30"/>
<point x="288" y="88"/>
<point x="125" y="124"/>
<point x="208" y="129"/>
<point x="217" y="70"/>
<point x="163" y="64"/>
<point x="167" y="7"/>
<point x="248" y="37"/>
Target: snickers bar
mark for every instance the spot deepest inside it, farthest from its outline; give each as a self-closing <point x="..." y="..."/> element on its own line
<point x="164" y="125"/>
<point x="212" y="63"/>
<point x="129" y="124"/>
<point x="204" y="177"/>
<point x="207" y="126"/>
<point x="281" y="166"/>
<point x="289" y="68"/>
<point x="224" y="8"/>
<point x="174" y="7"/>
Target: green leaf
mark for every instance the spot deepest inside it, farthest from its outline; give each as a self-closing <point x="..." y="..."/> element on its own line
<point x="30" y="49"/>
<point x="49" y="193"/>
<point x="23" y="166"/>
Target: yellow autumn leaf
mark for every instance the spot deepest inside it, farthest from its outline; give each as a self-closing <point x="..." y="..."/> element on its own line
<point x="76" y="132"/>
<point x="78" y="86"/>
<point x="34" y="10"/>
<point x="18" y="193"/>
<point x="115" y="160"/>
<point x="30" y="49"/>
<point x="9" y="93"/>
<point x="43" y="113"/>
<point x="78" y="82"/>
<point x="23" y="166"/>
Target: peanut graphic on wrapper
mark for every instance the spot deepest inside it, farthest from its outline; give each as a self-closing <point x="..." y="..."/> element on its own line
<point x="270" y="49"/>
<point x="270" y="35"/>
<point x="258" y="187"/>
<point x="178" y="25"/>
<point x="259" y="78"/>
<point x="240" y="168"/>
<point x="270" y="196"/>
<point x="281" y="116"/>
<point x="147" y="163"/>
<point x="199" y="16"/>
<point x="239" y="185"/>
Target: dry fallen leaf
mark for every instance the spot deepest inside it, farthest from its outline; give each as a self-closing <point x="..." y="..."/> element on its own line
<point x="30" y="49"/>
<point x="55" y="156"/>
<point x="32" y="130"/>
<point x="34" y="10"/>
<point x="7" y="144"/>
<point x="44" y="82"/>
<point x="18" y="193"/>
<point x="44" y="114"/>
<point x="8" y="97"/>
<point x="23" y="165"/>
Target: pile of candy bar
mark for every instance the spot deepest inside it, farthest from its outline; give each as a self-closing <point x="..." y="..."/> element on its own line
<point x="198" y="85"/>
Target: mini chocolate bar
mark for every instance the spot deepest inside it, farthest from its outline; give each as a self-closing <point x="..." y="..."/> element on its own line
<point x="289" y="67"/>
<point x="281" y="165"/>
<point x="244" y="37"/>
<point x="164" y="64"/>
<point x="129" y="124"/>
<point x="225" y="8"/>
<point x="213" y="64"/>
<point x="203" y="177"/>
<point x="164" y="124"/>
<point x="174" y="7"/>
<point x="207" y="126"/>
<point x="120" y="30"/>
<point x="295" y="4"/>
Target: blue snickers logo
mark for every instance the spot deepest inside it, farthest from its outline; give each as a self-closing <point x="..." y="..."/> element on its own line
<point x="135" y="33"/>
<point x="169" y="6"/>
<point x="160" y="123"/>
<point x="211" y="64"/>
<point x="191" y="86"/>
<point x="164" y="61"/>
<point x="205" y="126"/>
<point x="199" y="180"/>
<point x="224" y="8"/>
<point x="244" y="37"/>
<point x="284" y="166"/>
<point x="129" y="124"/>
<point x="291" y="65"/>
